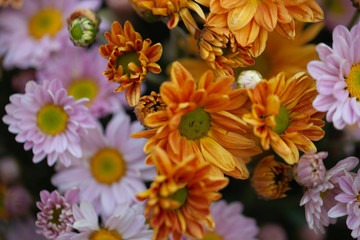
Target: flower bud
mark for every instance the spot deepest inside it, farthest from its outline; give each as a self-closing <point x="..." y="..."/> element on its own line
<point x="248" y="79"/>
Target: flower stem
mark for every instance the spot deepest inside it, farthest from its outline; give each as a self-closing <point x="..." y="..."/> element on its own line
<point x="354" y="18"/>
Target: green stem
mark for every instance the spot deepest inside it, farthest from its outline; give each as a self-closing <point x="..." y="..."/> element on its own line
<point x="354" y="19"/>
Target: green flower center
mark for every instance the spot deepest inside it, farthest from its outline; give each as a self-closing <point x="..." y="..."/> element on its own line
<point x="195" y="125"/>
<point x="180" y="196"/>
<point x="353" y="81"/>
<point x="83" y="88"/>
<point x="76" y="32"/>
<point x="282" y="121"/>
<point x="125" y="59"/>
<point x="104" y="234"/>
<point x="46" y="21"/>
<point x="52" y="119"/>
<point x="211" y="236"/>
<point x="56" y="216"/>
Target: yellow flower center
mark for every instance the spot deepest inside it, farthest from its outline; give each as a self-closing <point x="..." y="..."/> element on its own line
<point x="83" y="88"/>
<point x="104" y="234"/>
<point x="353" y="81"/>
<point x="211" y="236"/>
<point x="195" y="125"/>
<point x="52" y="119"/>
<point x="125" y="59"/>
<point x="282" y="121"/>
<point x="46" y="21"/>
<point x="108" y="166"/>
<point x="180" y="196"/>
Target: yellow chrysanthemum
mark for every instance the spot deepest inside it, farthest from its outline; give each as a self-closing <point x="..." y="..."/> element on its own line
<point x="14" y="3"/>
<point x="251" y="20"/>
<point x="180" y="196"/>
<point x="203" y="117"/>
<point x="283" y="117"/>
<point x="130" y="59"/>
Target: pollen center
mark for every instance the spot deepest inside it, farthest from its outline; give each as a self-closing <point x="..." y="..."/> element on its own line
<point x="108" y="166"/>
<point x="104" y="234"/>
<point x="211" y="236"/>
<point x="52" y="119"/>
<point x="353" y="81"/>
<point x="83" y="88"/>
<point x="195" y="125"/>
<point x="282" y="121"/>
<point x="46" y="21"/>
<point x="125" y="59"/>
<point x="56" y="215"/>
<point x="180" y="196"/>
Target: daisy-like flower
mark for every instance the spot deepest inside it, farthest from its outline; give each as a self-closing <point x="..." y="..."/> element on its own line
<point x="13" y="3"/>
<point x="337" y="77"/>
<point x="271" y="178"/>
<point x="320" y="199"/>
<point x="251" y="20"/>
<point x="112" y="168"/>
<point x="217" y="46"/>
<point x="49" y="122"/>
<point x="80" y="71"/>
<point x="130" y="59"/>
<point x="283" y="116"/>
<point x="55" y="217"/>
<point x="29" y="35"/>
<point x="125" y="223"/>
<point x="205" y="118"/>
<point x="180" y="196"/>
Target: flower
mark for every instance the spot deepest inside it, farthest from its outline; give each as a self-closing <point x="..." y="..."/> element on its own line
<point x="248" y="79"/>
<point x="29" y="35"/>
<point x="310" y="169"/>
<point x="149" y="104"/>
<point x="320" y="199"/>
<point x="22" y="228"/>
<point x="80" y="71"/>
<point x="337" y="12"/>
<point x="282" y="115"/>
<point x="270" y="178"/>
<point x="13" y="3"/>
<point x="55" y="217"/>
<point x="17" y="201"/>
<point x="126" y="223"/>
<point x="271" y="231"/>
<point x="203" y="117"/>
<point x="9" y="170"/>
<point x="49" y="121"/>
<point x="83" y="24"/>
<point x="337" y="76"/>
<point x="251" y="20"/>
<point x="130" y="59"/>
<point x="180" y="196"/>
<point x="112" y="169"/>
<point x="217" y="46"/>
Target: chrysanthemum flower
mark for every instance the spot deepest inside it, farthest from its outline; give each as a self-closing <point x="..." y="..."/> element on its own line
<point x="320" y="199"/>
<point x="205" y="118"/>
<point x="22" y="228"/>
<point x="251" y="20"/>
<point x="217" y="46"/>
<point x="149" y="104"/>
<point x="337" y="77"/>
<point x="125" y="223"/>
<point x="17" y="201"/>
<point x="80" y="71"/>
<point x="49" y="122"/>
<point x="55" y="217"/>
<point x="283" y="117"/>
<point x="180" y="196"/>
<point x="271" y="178"/>
<point x="130" y="59"/>
<point x="29" y="35"/>
<point x="112" y="168"/>
<point x="12" y="3"/>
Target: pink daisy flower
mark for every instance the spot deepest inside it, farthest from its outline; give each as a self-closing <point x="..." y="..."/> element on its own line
<point x="49" y="121"/>
<point x="125" y="223"/>
<point x="55" y="217"/>
<point x="29" y="35"/>
<point x="113" y="166"/>
<point x="348" y="202"/>
<point x="320" y="199"/>
<point x="80" y="71"/>
<point x="337" y="77"/>
<point x="22" y="228"/>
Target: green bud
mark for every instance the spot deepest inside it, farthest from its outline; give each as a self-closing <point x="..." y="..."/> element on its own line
<point x="82" y="31"/>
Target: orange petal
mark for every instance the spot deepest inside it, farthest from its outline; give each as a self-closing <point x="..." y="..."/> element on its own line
<point x="241" y="16"/>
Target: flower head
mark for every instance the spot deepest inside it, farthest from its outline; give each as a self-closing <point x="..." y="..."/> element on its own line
<point x="248" y="79"/>
<point x="17" y="201"/>
<point x="283" y="117"/>
<point x="130" y="59"/>
<point x="112" y="169"/>
<point x="55" y="217"/>
<point x="149" y="104"/>
<point x="337" y="77"/>
<point x="251" y="20"/>
<point x="270" y="178"/>
<point x="179" y="197"/>
<point x="49" y="121"/>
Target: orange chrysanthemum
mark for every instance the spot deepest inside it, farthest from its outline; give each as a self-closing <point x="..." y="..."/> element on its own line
<point x="217" y="46"/>
<point x="251" y="20"/>
<point x="130" y="59"/>
<point x="283" y="116"/>
<point x="149" y="104"/>
<point x="13" y="3"/>
<point x="204" y="117"/>
<point x="270" y="179"/>
<point x="180" y="196"/>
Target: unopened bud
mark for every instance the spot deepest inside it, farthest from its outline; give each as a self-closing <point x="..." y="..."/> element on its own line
<point x="248" y="79"/>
